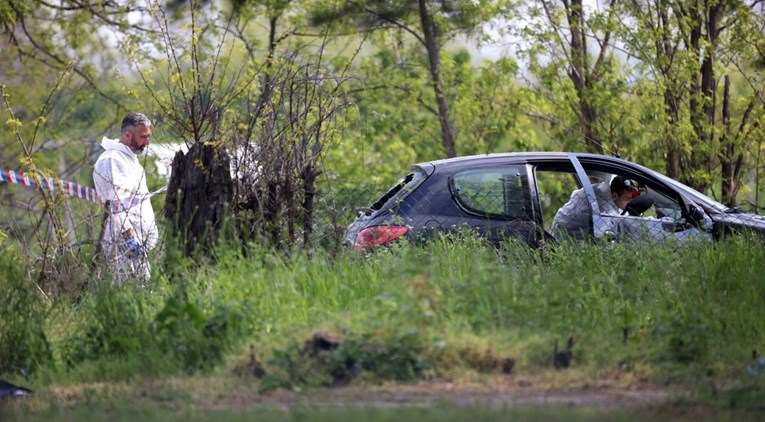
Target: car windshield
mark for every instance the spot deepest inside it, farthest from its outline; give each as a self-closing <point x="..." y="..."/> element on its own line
<point x="693" y="193"/>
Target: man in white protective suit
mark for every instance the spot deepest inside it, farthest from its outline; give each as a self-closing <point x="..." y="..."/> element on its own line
<point x="573" y="218"/>
<point x="120" y="181"/>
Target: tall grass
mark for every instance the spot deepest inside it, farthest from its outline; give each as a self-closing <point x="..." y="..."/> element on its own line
<point x="24" y="346"/>
<point x="459" y="304"/>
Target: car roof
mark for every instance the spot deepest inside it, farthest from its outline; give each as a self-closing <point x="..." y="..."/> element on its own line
<point x="520" y="156"/>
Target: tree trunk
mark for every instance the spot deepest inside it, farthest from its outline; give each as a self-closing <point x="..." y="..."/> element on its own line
<point x="579" y="73"/>
<point x="732" y="159"/>
<point x="703" y="99"/>
<point x="665" y="47"/>
<point x="728" y="184"/>
<point x="272" y="228"/>
<point x="674" y="155"/>
<point x="309" y="185"/>
<point x="431" y="45"/>
<point x="199" y="192"/>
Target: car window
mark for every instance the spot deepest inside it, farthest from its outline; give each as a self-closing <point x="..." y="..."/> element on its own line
<point x="397" y="192"/>
<point x="493" y="192"/>
<point x="651" y="213"/>
<point x="695" y="195"/>
<point x="663" y="205"/>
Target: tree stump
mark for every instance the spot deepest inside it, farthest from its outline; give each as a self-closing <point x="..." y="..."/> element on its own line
<point x="198" y="195"/>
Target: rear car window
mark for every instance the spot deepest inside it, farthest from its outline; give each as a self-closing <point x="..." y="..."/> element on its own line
<point x="398" y="191"/>
<point x="493" y="192"/>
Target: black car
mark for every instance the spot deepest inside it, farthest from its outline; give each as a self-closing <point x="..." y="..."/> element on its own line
<point x="527" y="195"/>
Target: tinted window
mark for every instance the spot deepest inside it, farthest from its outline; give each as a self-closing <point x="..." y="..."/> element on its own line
<point x="493" y="192"/>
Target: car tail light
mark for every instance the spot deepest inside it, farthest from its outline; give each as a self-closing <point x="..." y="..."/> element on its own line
<point x="378" y="235"/>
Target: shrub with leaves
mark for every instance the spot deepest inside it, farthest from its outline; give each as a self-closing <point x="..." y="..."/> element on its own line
<point x="115" y="324"/>
<point x="24" y="346"/>
<point x="182" y="334"/>
<point x="197" y="340"/>
<point x="397" y="341"/>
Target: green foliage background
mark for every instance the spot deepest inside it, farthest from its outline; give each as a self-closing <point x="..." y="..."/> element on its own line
<point x="61" y="106"/>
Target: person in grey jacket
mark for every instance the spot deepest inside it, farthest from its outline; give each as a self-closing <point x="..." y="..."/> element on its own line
<point x="573" y="218"/>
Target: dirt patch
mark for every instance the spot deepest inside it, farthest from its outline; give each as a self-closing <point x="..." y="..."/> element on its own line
<point x="207" y="396"/>
<point x="465" y="395"/>
<point x="502" y="393"/>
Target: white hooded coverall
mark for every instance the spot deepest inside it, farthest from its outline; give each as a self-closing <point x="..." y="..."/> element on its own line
<point x="120" y="178"/>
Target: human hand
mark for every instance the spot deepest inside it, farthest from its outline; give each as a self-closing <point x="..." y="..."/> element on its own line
<point x="130" y="248"/>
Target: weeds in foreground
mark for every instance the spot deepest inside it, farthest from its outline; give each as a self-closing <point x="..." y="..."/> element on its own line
<point x="660" y="312"/>
<point x="24" y="345"/>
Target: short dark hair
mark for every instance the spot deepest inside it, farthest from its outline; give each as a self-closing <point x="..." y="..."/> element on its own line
<point x="133" y="120"/>
<point x="620" y="184"/>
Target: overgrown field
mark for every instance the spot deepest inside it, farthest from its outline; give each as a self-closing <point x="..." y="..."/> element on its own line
<point x="688" y="316"/>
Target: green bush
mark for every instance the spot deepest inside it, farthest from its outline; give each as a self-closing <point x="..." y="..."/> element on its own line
<point x="400" y="356"/>
<point x="396" y="339"/>
<point x="164" y="333"/>
<point x="114" y="325"/>
<point x="24" y="346"/>
<point x="195" y="339"/>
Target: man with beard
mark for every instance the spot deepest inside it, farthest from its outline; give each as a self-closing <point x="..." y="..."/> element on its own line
<point x="129" y="230"/>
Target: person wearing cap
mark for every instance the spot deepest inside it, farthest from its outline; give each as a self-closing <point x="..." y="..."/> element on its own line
<point x="129" y="228"/>
<point x="573" y="218"/>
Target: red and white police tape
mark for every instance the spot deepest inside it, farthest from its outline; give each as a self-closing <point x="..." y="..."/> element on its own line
<point x="70" y="188"/>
